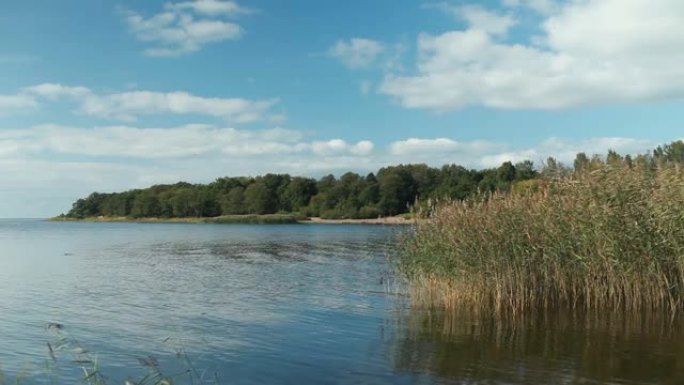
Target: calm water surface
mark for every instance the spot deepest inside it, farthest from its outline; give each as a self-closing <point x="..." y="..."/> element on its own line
<point x="282" y="304"/>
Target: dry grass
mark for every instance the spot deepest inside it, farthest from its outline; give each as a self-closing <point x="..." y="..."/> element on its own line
<point x="607" y="238"/>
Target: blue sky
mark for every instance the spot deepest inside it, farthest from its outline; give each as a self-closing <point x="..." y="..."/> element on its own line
<point x="102" y="95"/>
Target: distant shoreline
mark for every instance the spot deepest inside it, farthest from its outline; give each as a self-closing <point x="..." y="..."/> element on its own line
<point x="396" y="220"/>
<point x="242" y="219"/>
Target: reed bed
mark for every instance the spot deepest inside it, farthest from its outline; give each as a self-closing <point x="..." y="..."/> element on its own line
<point x="609" y="238"/>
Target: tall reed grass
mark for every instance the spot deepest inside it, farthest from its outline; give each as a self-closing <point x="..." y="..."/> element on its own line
<point x="606" y="238"/>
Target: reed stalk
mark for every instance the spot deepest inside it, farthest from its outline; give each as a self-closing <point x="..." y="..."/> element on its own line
<point x="606" y="238"/>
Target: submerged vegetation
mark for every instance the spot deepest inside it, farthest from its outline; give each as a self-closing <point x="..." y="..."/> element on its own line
<point x="607" y="235"/>
<point x="69" y="362"/>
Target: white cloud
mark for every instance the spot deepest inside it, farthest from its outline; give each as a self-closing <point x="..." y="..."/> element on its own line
<point x="357" y="52"/>
<point x="128" y="106"/>
<point x="481" y="19"/>
<point x="565" y="150"/>
<point x="540" y="6"/>
<point x="590" y="53"/>
<point x="430" y="147"/>
<point x="439" y="151"/>
<point x="363" y="147"/>
<point x="209" y="7"/>
<point x="186" y="27"/>
<point x="340" y="147"/>
<point x="14" y="103"/>
<point x="481" y="153"/>
<point x="478" y="18"/>
<point x="54" y="91"/>
<point x="194" y="140"/>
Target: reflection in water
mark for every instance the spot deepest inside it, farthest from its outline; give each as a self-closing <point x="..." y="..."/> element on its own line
<point x="544" y="349"/>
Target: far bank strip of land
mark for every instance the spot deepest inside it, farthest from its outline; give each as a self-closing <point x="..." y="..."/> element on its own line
<point x="244" y="219"/>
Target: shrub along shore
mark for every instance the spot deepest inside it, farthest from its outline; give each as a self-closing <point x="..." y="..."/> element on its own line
<point x="605" y="235"/>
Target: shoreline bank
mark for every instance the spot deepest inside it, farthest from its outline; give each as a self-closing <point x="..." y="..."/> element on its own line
<point x="243" y="219"/>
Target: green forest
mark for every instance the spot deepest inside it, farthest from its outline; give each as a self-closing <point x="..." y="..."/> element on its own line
<point x="391" y="191"/>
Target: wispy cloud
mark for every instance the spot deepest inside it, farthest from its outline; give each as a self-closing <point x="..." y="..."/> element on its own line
<point x="16" y="103"/>
<point x="194" y="140"/>
<point x="129" y="105"/>
<point x="186" y="27"/>
<point x="209" y="7"/>
<point x="357" y="52"/>
<point x="539" y="6"/>
<point x="477" y="17"/>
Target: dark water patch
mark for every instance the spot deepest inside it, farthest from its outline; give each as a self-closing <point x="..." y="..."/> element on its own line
<point x="544" y="349"/>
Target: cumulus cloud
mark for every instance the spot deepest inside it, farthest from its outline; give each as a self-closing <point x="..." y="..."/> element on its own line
<point x="429" y="147"/>
<point x="478" y="18"/>
<point x="439" y="151"/>
<point x="339" y="146"/>
<point x="588" y="53"/>
<point x="186" y="27"/>
<point x="357" y="52"/>
<point x="128" y="106"/>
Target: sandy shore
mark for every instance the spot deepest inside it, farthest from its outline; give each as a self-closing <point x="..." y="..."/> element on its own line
<point x="372" y="221"/>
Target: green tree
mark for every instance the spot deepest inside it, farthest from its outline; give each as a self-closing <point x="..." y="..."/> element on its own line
<point x="525" y="170"/>
<point x="234" y="202"/>
<point x="397" y="190"/>
<point x="297" y="194"/>
<point x="370" y="194"/>
<point x="259" y="199"/>
<point x="146" y="204"/>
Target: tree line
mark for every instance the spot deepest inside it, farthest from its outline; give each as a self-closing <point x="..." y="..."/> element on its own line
<point x="391" y="191"/>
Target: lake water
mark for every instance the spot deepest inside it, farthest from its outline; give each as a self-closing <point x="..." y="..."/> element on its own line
<point x="281" y="304"/>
